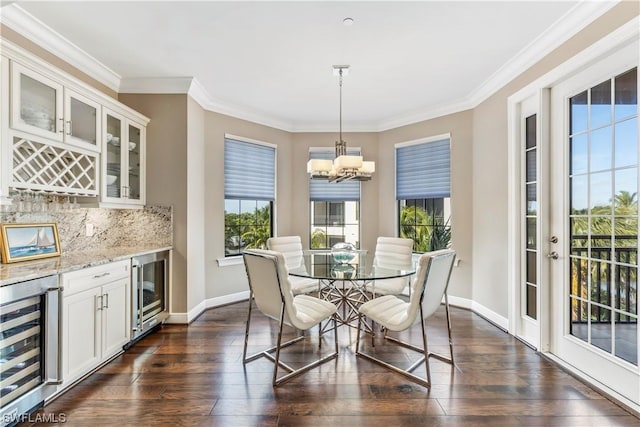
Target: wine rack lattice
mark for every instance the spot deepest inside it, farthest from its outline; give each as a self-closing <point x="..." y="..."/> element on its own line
<point x="41" y="166"/>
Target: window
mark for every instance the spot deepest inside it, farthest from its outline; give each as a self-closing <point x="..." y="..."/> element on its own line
<point x="335" y="208"/>
<point x="423" y="193"/>
<point x="249" y="193"/>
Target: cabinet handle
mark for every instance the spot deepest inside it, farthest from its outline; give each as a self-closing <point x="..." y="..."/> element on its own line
<point x="97" y="276"/>
<point x="98" y="306"/>
<point x="70" y="127"/>
<point x="105" y="297"/>
<point x="61" y="125"/>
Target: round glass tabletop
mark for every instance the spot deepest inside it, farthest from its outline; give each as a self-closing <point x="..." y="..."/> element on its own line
<point x="322" y="265"/>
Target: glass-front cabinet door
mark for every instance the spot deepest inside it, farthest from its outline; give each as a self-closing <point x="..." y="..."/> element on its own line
<point x="123" y="161"/>
<point x="134" y="187"/>
<point x="37" y="103"/>
<point x="113" y="185"/>
<point x="42" y="106"/>
<point x="81" y="121"/>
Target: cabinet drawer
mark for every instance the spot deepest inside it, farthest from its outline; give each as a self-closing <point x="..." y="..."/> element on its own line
<point x="87" y="278"/>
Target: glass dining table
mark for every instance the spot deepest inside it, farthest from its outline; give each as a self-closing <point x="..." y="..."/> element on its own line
<point x="345" y="284"/>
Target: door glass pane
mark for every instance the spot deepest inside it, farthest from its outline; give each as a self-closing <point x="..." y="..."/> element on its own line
<point x="579" y="153"/>
<point x="532" y="273"/>
<point x="579" y="277"/>
<point x="627" y="338"/>
<point x="37" y="104"/>
<point x="134" y="163"/>
<point x="532" y="203"/>
<point x="532" y="302"/>
<point x="579" y="235"/>
<point x="626" y="147"/>
<point x="114" y="184"/>
<point x="530" y="289"/>
<point x="626" y="94"/>
<point x="600" y="111"/>
<point x="626" y="191"/>
<point x="604" y="217"/>
<point x="600" y="192"/>
<point x="531" y="233"/>
<point x="578" y="113"/>
<point x="600" y="156"/>
<point x="579" y="326"/>
<point x="601" y="332"/>
<point x="152" y="289"/>
<point x="579" y="192"/>
<point x="531" y="165"/>
<point x="83" y="121"/>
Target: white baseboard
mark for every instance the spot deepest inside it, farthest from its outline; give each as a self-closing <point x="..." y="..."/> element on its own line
<point x="185" y="318"/>
<point x="495" y="318"/>
<point x="594" y="383"/>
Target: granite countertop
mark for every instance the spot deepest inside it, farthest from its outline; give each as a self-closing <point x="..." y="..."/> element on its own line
<point x="26" y="270"/>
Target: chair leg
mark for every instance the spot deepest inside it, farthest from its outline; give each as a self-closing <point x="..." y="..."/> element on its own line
<point x="277" y="360"/>
<point x="358" y="333"/>
<point x="446" y="308"/>
<point x="425" y="348"/>
<point x="423" y="351"/>
<point x="441" y="357"/>
<point x="335" y="332"/>
<point x="373" y="333"/>
<point x="246" y="332"/>
<point x="280" y="345"/>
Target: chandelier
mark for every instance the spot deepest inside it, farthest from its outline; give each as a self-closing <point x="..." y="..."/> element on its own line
<point x="344" y="167"/>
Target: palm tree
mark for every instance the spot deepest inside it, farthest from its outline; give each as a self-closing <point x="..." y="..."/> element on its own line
<point x="428" y="232"/>
<point x="257" y="235"/>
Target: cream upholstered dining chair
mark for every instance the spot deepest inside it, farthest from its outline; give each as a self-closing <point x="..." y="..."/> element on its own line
<point x="395" y="253"/>
<point x="271" y="290"/>
<point x="291" y="248"/>
<point x="394" y="314"/>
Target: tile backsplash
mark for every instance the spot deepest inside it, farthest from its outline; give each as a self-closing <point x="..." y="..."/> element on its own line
<point x="152" y="225"/>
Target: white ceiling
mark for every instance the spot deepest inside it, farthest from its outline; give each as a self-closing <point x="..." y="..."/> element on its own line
<point x="271" y="62"/>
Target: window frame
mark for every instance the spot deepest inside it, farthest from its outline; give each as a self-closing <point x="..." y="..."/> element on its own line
<point x="446" y="204"/>
<point x="240" y="200"/>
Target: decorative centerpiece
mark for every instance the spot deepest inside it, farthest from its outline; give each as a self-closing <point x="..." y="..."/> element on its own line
<point x="343" y="253"/>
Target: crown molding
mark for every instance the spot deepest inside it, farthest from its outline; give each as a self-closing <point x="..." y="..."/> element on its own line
<point x="155" y="85"/>
<point x="35" y="30"/>
<point x="572" y="22"/>
<point x="19" y="20"/>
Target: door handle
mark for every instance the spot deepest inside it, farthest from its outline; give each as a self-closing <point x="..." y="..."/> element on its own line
<point x="553" y="255"/>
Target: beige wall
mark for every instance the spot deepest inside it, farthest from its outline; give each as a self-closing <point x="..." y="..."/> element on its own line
<point x="489" y="181"/>
<point x="167" y="178"/>
<point x="228" y="280"/>
<point x="459" y="125"/>
<point x="196" y="221"/>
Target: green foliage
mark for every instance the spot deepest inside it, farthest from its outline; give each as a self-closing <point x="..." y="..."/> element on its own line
<point x="247" y="230"/>
<point x="318" y="239"/>
<point x="428" y="232"/>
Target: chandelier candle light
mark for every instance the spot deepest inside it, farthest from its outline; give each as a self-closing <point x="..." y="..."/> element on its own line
<point x="344" y="167"/>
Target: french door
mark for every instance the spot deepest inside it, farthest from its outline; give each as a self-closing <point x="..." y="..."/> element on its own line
<point x="593" y="209"/>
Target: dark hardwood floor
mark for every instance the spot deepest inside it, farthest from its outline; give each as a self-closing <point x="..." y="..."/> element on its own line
<point x="194" y="376"/>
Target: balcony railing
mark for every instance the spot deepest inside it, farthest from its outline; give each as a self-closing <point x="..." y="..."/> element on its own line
<point x="622" y="296"/>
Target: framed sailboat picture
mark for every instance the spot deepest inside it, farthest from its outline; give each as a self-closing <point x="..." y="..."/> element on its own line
<point x="22" y="242"/>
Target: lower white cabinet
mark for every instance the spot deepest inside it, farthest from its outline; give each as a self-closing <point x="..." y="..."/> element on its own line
<point x="95" y="320"/>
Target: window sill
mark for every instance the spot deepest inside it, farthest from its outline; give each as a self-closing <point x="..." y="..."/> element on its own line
<point x="229" y="261"/>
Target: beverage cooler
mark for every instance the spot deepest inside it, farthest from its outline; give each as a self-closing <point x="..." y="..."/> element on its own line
<point x="29" y="346"/>
<point x="149" y="282"/>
